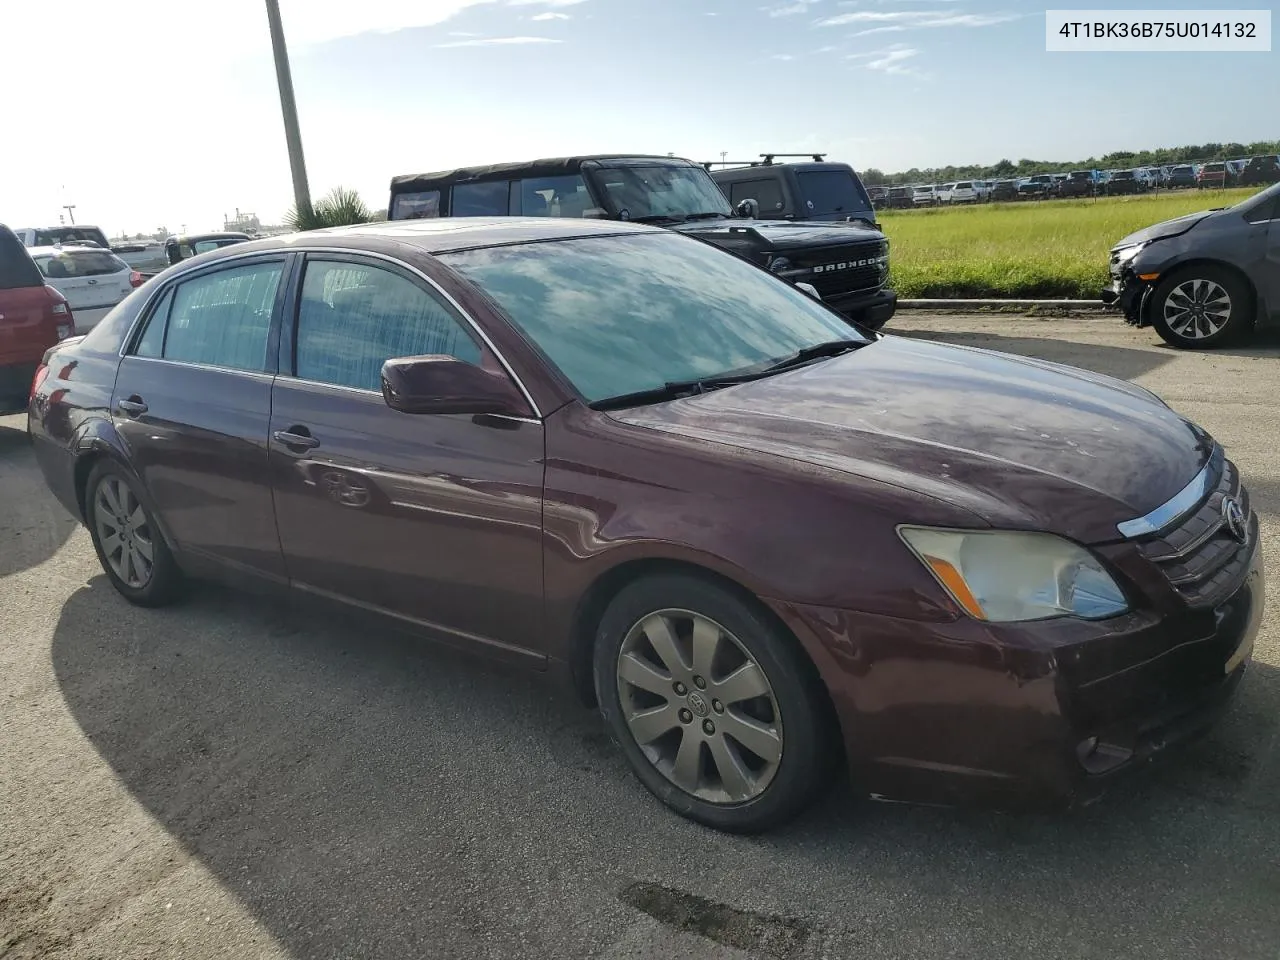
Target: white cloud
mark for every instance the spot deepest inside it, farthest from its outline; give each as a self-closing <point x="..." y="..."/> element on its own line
<point x="544" y="3"/>
<point x="782" y="56"/>
<point x="496" y="41"/>
<point x="917" y="19"/>
<point x="551" y="16"/>
<point x="791" y="9"/>
<point x="464" y="33"/>
<point x="895" y="28"/>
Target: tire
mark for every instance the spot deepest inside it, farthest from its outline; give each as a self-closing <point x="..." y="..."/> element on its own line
<point x="719" y="782"/>
<point x="1225" y="307"/>
<point x="123" y="531"/>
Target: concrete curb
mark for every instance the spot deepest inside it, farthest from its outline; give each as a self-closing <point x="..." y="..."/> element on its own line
<point x="1091" y="306"/>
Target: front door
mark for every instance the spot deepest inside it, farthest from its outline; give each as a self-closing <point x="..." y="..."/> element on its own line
<point x="192" y="401"/>
<point x="434" y="519"/>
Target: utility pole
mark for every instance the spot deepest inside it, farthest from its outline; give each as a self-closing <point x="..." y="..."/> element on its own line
<point x="292" y="135"/>
<point x="69" y="207"/>
<point x="723" y="154"/>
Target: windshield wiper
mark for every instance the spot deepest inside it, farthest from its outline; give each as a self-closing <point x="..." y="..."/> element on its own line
<point x="658" y="218"/>
<point x="708" y="215"/>
<point x="675" y="389"/>
<point x="828" y="348"/>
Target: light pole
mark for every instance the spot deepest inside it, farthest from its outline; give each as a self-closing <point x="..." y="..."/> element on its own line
<point x="292" y="136"/>
<point x="69" y="207"/>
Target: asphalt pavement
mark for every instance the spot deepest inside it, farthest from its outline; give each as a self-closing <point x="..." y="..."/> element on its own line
<point x="238" y="777"/>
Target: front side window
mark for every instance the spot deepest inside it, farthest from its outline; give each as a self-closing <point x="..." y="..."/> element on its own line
<point x="766" y="192"/>
<point x="628" y="313"/>
<point x="353" y="317"/>
<point x="221" y="319"/>
<point x="482" y="199"/>
<point x="641" y="191"/>
<point x="420" y="204"/>
<point x="553" y="197"/>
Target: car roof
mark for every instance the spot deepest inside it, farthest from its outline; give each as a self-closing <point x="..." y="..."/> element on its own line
<point x="445" y="235"/>
<point x="212" y="235"/>
<point x="547" y="167"/>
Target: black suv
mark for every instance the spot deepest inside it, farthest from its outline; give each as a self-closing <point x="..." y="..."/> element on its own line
<point x="1079" y="183"/>
<point x="847" y="263"/>
<point x="796" y="191"/>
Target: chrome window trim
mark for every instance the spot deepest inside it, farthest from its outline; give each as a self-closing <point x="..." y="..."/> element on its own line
<point x="1180" y="504"/>
<point x="192" y="365"/>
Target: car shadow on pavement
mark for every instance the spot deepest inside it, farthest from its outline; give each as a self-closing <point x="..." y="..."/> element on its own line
<point x="33" y="523"/>
<point x="364" y="793"/>
<point x="1127" y="363"/>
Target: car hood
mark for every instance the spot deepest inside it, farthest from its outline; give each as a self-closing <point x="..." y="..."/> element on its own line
<point x="781" y="234"/>
<point x="1164" y="229"/>
<point x="1020" y="443"/>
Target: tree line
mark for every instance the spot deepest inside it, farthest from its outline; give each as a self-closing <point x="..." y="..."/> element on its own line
<point x="1120" y="160"/>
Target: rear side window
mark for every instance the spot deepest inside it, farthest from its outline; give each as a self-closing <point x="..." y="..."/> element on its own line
<point x="72" y="263"/>
<point x="482" y="199"/>
<point x="552" y="197"/>
<point x="417" y="205"/>
<point x="766" y="192"/>
<point x="220" y="319"/>
<point x="16" y="267"/>
<point x="353" y="317"/>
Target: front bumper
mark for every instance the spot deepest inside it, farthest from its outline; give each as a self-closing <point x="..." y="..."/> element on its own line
<point x="1024" y="716"/>
<point x="868" y="308"/>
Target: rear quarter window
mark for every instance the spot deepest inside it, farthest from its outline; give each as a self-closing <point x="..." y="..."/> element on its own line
<point x="491" y="199"/>
<point x="417" y="205"/>
<point x="16" y="267"/>
<point x="766" y="192"/>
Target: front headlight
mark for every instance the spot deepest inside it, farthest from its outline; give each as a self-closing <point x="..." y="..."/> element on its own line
<point x="1004" y="576"/>
<point x="1125" y="254"/>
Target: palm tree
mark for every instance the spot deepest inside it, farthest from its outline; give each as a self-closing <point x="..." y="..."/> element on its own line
<point x="339" y="207"/>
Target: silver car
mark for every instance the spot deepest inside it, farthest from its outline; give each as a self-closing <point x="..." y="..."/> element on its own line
<point x="92" y="279"/>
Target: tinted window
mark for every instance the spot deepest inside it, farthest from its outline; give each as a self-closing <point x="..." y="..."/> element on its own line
<point x="553" y="197"/>
<point x="832" y="191"/>
<point x="353" y="318"/>
<point x="964" y="186"/>
<point x="481" y="199"/>
<point x="767" y="193"/>
<point x="53" y="235"/>
<point x="152" y="342"/>
<point x="80" y="263"/>
<point x="16" y="268"/>
<point x="222" y="318"/>
<point x="415" y="206"/>
<point x="620" y="314"/>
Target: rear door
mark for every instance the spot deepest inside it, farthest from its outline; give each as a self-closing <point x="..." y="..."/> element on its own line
<point x="25" y="331"/>
<point x="193" y="402"/>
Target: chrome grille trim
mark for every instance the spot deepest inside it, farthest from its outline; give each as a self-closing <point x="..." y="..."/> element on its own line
<point x="1180" y="504"/>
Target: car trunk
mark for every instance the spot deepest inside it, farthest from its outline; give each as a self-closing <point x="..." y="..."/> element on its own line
<point x="87" y="278"/>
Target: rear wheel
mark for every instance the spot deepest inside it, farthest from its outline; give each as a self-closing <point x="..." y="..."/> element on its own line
<point x="127" y="540"/>
<point x="1201" y="307"/>
<point x="711" y="704"/>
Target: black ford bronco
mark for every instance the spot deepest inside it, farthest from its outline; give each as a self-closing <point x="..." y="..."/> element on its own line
<point x="847" y="263"/>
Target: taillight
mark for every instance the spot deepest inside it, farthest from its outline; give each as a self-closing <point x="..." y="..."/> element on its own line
<point x="63" y="321"/>
<point x="42" y="372"/>
<point x="136" y="279"/>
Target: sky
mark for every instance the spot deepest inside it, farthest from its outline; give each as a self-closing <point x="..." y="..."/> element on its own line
<point x="151" y="113"/>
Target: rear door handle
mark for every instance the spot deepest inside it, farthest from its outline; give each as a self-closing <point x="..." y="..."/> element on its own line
<point x="293" y="438"/>
<point x="133" y="406"/>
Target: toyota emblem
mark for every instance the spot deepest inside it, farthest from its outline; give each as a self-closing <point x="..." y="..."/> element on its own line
<point x="1234" y="520"/>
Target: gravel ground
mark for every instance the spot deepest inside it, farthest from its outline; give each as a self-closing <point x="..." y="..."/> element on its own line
<point x="232" y="777"/>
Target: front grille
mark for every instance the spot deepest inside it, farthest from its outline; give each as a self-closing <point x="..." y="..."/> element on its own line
<point x="844" y="269"/>
<point x="1199" y="555"/>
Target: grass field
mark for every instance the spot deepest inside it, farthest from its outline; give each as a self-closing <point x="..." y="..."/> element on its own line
<point x="1055" y="248"/>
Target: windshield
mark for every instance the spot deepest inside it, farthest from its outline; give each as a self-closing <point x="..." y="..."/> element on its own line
<point x="621" y="314"/>
<point x="55" y="235"/>
<point x="1213" y="168"/>
<point x="832" y="191"/>
<point x="639" y="190"/>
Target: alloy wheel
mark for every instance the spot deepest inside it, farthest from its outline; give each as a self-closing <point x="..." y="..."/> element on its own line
<point x="1196" y="309"/>
<point x="124" y="532"/>
<point x="699" y="706"/>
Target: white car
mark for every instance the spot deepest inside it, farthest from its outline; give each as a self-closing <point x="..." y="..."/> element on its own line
<point x="923" y="197"/>
<point x="942" y="193"/>
<point x="965" y="191"/>
<point x="93" y="280"/>
<point x="52" y="236"/>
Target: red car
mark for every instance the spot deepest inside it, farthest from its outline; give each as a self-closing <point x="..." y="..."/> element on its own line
<point x="33" y="317"/>
<point x="760" y="539"/>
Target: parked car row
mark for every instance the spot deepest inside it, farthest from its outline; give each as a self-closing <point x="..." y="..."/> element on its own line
<point x="1083" y="183"/>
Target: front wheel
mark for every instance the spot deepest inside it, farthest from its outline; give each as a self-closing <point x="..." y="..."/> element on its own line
<point x="1200" y="307"/>
<point x="711" y="703"/>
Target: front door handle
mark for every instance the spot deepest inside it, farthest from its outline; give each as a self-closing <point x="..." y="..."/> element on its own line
<point x="298" y="438"/>
<point x="132" y="407"/>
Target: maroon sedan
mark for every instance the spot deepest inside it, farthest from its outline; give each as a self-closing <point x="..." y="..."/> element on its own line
<point x="758" y="538"/>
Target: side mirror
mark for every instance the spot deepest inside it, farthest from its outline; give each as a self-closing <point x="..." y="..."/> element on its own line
<point x="440" y="384"/>
<point x="810" y="289"/>
<point x="750" y="209"/>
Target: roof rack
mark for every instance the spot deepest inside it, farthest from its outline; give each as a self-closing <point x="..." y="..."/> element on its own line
<point x="766" y="160"/>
